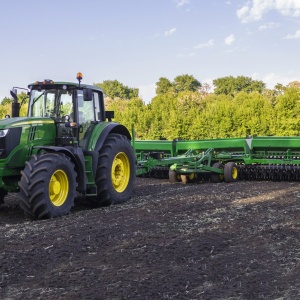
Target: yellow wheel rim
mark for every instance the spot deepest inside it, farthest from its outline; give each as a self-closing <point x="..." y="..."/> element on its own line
<point x="191" y="176"/>
<point x="58" y="187"/>
<point x="120" y="172"/>
<point x="234" y="173"/>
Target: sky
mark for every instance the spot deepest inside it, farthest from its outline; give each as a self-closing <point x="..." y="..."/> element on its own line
<point x="139" y="41"/>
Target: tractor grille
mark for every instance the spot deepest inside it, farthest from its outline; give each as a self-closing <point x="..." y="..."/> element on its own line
<point x="10" y="141"/>
<point x="32" y="132"/>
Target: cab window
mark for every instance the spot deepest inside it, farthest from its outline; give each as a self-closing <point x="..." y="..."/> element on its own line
<point x="88" y="111"/>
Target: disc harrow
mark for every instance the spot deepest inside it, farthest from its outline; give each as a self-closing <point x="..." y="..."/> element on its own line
<point x="251" y="158"/>
<point x="269" y="172"/>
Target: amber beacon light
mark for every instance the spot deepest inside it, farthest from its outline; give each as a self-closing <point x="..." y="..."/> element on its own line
<point x="79" y="77"/>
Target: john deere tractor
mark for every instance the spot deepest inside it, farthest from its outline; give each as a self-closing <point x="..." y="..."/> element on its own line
<point x="64" y="146"/>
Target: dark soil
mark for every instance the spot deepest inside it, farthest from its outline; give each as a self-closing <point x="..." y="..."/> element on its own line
<point x="170" y="241"/>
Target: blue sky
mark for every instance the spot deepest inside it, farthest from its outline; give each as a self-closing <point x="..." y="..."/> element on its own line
<point x="139" y="41"/>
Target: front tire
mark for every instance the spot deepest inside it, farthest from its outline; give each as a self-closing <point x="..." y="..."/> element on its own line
<point x="48" y="186"/>
<point x="115" y="175"/>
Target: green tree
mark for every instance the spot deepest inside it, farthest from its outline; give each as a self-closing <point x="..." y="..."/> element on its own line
<point x="5" y="110"/>
<point x="230" y="85"/>
<point x="5" y="107"/>
<point x="172" y="116"/>
<point x="183" y="83"/>
<point x="23" y="98"/>
<point x="132" y="115"/>
<point x="253" y="114"/>
<point x="217" y="116"/>
<point x="279" y="88"/>
<point x="163" y="86"/>
<point x="271" y="95"/>
<point x="115" y="89"/>
<point x="6" y="100"/>
<point x="160" y="108"/>
<point x="294" y="84"/>
<point x="287" y="109"/>
<point x="195" y="115"/>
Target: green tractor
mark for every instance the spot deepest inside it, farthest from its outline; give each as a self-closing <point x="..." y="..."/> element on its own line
<point x="64" y="147"/>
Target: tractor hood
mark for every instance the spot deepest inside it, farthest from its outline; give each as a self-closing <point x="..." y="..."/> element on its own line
<point x="24" y="121"/>
<point x="19" y="137"/>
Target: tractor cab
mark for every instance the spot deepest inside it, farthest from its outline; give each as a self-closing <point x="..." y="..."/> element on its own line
<point x="73" y="107"/>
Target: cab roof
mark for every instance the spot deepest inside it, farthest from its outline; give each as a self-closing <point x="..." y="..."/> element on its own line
<point x="50" y="83"/>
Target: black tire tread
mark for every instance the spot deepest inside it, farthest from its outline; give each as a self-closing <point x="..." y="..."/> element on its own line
<point x="105" y="194"/>
<point x="228" y="172"/>
<point x="34" y="195"/>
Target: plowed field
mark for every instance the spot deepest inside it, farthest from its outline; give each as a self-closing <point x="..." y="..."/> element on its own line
<point x="170" y="241"/>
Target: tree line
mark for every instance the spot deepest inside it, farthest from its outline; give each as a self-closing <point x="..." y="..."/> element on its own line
<point x="187" y="109"/>
<point x="184" y="108"/>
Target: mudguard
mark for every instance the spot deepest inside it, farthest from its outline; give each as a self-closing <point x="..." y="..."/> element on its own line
<point x="100" y="135"/>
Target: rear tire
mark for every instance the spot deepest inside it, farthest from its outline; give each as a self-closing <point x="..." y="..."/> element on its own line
<point x="115" y="175"/>
<point x="47" y="186"/>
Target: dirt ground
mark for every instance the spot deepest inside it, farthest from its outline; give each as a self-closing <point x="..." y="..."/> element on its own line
<point x="170" y="241"/>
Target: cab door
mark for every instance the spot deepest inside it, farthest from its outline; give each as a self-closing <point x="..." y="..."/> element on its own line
<point x="89" y="114"/>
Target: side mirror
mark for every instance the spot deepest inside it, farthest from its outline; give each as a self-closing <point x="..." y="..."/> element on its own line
<point x="87" y="95"/>
<point x="13" y="93"/>
<point x="109" y="114"/>
<point x="15" y="106"/>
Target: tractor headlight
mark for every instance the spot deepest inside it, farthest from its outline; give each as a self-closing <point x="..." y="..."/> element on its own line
<point x="3" y="133"/>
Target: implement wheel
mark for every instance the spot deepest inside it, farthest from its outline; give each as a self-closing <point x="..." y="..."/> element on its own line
<point x="230" y="172"/>
<point x="173" y="176"/>
<point x="216" y="177"/>
<point x="48" y="186"/>
<point x="187" y="177"/>
<point x="115" y="175"/>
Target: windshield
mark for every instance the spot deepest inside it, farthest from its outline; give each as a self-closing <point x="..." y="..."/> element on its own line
<point x="58" y="103"/>
<point x="50" y="103"/>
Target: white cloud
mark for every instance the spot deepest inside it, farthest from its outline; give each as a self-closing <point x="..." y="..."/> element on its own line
<point x="229" y="39"/>
<point x="243" y="13"/>
<point x="255" y="9"/>
<point x="170" y="32"/>
<point x="294" y="36"/>
<point x="270" y="25"/>
<point x="288" y="7"/>
<point x="271" y="79"/>
<point x="147" y="92"/>
<point x="182" y="2"/>
<point x="210" y="43"/>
